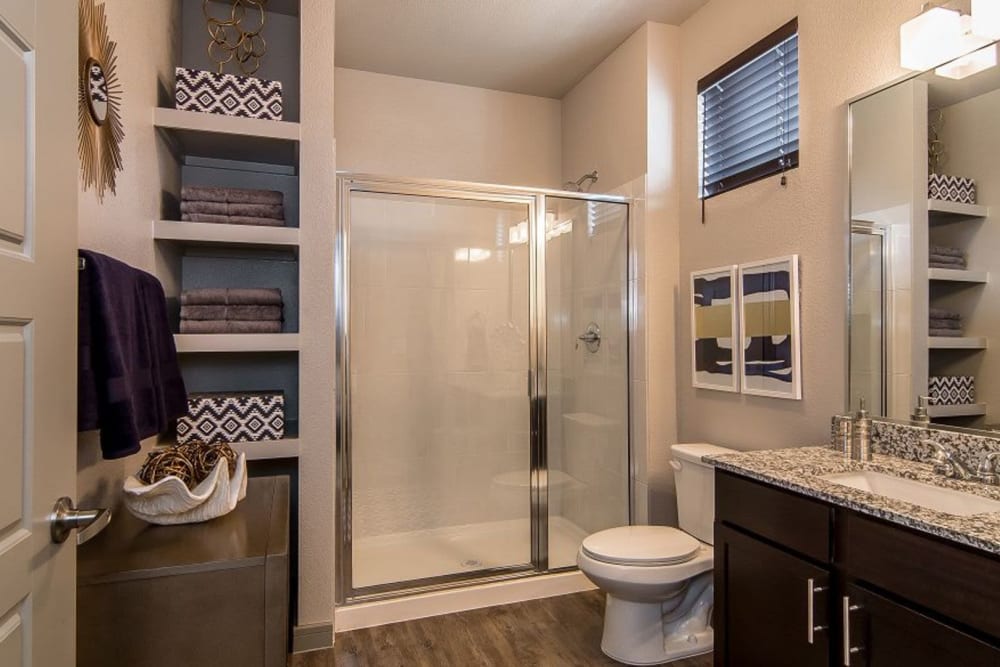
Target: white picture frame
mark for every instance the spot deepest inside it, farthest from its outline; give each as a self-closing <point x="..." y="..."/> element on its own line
<point x="708" y="358"/>
<point x="770" y="363"/>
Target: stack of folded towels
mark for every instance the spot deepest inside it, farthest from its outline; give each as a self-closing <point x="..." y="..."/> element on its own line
<point x="222" y="310"/>
<point x="945" y="323"/>
<point x="943" y="257"/>
<point x="232" y="206"/>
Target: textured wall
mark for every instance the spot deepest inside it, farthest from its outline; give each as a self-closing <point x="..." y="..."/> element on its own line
<point x="392" y="125"/>
<point x="148" y="38"/>
<point x="845" y="49"/>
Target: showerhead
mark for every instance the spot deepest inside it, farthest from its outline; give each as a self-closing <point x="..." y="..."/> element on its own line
<point x="577" y="185"/>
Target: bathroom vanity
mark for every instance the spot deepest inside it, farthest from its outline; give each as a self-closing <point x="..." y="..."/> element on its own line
<point x="811" y="572"/>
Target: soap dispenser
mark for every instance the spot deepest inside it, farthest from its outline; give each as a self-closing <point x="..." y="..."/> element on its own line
<point x="861" y="438"/>
<point x="920" y="416"/>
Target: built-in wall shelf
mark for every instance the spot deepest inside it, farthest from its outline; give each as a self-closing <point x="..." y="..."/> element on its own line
<point x="222" y="137"/>
<point x="191" y="343"/>
<point x="958" y="275"/>
<point x="940" y="210"/>
<point x="957" y="343"/>
<point x="211" y="234"/>
<point x="287" y="448"/>
<point x="964" y="410"/>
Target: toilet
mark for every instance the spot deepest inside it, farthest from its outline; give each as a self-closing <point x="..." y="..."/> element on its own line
<point x="658" y="579"/>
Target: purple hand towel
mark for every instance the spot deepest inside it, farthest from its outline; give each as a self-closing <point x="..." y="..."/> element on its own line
<point x="129" y="381"/>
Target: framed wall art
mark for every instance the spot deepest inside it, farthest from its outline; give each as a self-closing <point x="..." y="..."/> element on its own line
<point x="714" y="329"/>
<point x="770" y="358"/>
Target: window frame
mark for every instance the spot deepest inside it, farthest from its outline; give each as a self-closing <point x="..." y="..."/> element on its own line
<point x="761" y="171"/>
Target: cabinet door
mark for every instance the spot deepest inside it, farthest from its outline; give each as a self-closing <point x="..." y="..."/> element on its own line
<point x="882" y="633"/>
<point x="771" y="608"/>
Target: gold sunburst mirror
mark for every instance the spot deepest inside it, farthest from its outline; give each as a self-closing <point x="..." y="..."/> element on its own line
<point x="99" y="123"/>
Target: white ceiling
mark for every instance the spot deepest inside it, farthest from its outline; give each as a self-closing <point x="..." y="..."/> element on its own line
<point x="538" y="47"/>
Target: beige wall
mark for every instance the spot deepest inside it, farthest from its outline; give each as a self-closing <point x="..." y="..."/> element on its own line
<point x="845" y="49"/>
<point x="148" y="37"/>
<point x="391" y="125"/>
<point x="604" y="118"/>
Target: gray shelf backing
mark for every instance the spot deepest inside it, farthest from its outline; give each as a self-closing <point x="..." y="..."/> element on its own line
<point x="234" y="174"/>
<point x="281" y="32"/>
<point x="203" y="267"/>
<point x="250" y="372"/>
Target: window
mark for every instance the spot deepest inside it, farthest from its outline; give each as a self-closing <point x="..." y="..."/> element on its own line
<point x="748" y="114"/>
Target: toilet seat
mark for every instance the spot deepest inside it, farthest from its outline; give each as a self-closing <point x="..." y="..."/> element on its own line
<point x="641" y="546"/>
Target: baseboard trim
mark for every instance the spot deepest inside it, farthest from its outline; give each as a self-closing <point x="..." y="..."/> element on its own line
<point x="312" y="637"/>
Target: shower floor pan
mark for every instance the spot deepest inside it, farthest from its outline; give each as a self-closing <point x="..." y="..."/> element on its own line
<point x="420" y="554"/>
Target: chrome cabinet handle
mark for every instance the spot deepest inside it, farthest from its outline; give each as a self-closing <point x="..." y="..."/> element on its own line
<point x="811" y="627"/>
<point x="65" y="519"/>
<point x="848" y="649"/>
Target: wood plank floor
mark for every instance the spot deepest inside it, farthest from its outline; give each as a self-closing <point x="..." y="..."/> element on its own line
<point x="553" y="632"/>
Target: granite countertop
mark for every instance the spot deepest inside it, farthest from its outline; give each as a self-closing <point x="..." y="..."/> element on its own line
<point x="799" y="470"/>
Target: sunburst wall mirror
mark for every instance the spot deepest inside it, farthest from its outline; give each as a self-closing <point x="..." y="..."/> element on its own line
<point x="99" y="123"/>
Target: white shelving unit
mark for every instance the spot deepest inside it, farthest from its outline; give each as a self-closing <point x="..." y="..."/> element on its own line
<point x="239" y="236"/>
<point x="221" y="137"/>
<point x="269" y="449"/>
<point x="940" y="210"/>
<point x="193" y="343"/>
<point x="957" y="343"/>
<point x="964" y="410"/>
<point x="958" y="275"/>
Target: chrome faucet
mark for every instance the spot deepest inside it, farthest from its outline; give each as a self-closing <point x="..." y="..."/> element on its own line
<point x="946" y="461"/>
<point x="987" y="472"/>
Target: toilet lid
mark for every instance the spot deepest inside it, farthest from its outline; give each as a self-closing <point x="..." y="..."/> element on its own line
<point x="641" y="545"/>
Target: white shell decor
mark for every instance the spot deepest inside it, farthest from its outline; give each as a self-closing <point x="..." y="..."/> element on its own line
<point x="169" y="501"/>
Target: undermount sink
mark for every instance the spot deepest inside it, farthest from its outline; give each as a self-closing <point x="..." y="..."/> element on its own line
<point x="928" y="496"/>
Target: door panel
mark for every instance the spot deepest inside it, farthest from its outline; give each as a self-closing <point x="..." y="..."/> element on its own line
<point x="762" y="605"/>
<point x="37" y="328"/>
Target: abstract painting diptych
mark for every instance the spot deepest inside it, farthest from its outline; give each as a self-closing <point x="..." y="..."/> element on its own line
<point x="757" y="306"/>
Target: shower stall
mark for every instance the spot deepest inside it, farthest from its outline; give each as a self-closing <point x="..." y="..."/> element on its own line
<point x="483" y="406"/>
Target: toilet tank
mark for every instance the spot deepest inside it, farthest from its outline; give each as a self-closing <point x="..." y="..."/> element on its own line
<point x="695" y="483"/>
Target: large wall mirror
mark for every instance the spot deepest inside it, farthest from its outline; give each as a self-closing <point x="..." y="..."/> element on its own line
<point x="925" y="248"/>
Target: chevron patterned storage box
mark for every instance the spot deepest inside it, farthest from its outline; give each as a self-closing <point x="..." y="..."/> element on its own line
<point x="233" y="417"/>
<point x="951" y="188"/>
<point x="227" y="94"/>
<point x="952" y="389"/>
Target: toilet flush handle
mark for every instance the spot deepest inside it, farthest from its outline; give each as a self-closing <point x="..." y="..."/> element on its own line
<point x="675" y="464"/>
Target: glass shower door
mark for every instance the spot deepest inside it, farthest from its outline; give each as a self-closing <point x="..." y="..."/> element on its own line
<point x="586" y="293"/>
<point x="439" y="408"/>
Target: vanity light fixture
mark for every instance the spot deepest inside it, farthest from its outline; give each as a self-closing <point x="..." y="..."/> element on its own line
<point x="937" y="35"/>
<point x="973" y="63"/>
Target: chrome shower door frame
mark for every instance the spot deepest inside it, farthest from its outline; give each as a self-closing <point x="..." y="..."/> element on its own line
<point x="535" y="201"/>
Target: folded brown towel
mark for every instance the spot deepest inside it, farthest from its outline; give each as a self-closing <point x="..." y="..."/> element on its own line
<point x="947" y="259"/>
<point x="276" y="211"/>
<point x="228" y="326"/>
<point x="947" y="333"/>
<point x="232" y="296"/>
<point x="942" y="314"/>
<point x="231" y="195"/>
<point x="244" y="313"/>
<point x="232" y="219"/>
<point x="946" y="250"/>
<point x="945" y="324"/>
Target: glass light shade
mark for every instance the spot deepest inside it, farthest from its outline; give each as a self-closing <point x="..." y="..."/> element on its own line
<point x="933" y="37"/>
<point x="970" y="64"/>
<point x="986" y="18"/>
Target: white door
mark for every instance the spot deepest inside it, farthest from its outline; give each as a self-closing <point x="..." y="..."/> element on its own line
<point x="38" y="211"/>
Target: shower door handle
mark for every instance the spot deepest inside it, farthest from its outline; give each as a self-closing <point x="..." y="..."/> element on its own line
<point x="591" y="337"/>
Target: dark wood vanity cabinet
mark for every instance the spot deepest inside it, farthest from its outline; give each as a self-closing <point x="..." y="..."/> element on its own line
<point x="801" y="583"/>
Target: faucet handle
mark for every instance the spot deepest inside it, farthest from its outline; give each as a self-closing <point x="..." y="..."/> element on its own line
<point x="987" y="471"/>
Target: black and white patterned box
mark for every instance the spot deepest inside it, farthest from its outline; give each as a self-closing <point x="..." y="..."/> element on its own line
<point x="952" y="389"/>
<point x="233" y="417"/>
<point x="951" y="188"/>
<point x="227" y="94"/>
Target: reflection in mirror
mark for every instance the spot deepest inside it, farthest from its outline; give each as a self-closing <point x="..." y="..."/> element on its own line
<point x="98" y="92"/>
<point x="925" y="248"/>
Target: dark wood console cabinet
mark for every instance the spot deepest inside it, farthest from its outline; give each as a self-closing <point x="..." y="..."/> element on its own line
<point x="212" y="594"/>
<point x="801" y="583"/>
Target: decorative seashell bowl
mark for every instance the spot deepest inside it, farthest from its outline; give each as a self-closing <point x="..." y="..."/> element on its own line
<point x="169" y="501"/>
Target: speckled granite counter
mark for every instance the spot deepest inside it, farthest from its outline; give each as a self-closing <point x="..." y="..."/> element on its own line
<point x="799" y="470"/>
